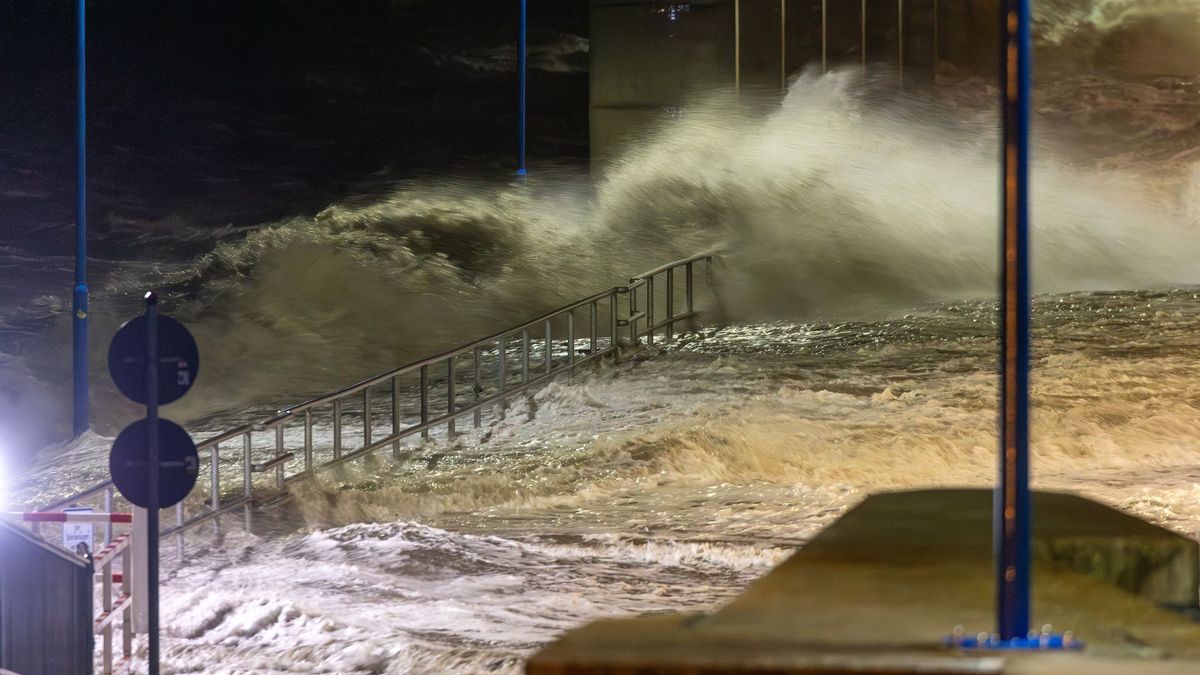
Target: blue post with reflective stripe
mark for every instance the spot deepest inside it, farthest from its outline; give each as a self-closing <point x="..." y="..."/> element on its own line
<point x="79" y="305"/>
<point x="1012" y="502"/>
<point x="523" y="70"/>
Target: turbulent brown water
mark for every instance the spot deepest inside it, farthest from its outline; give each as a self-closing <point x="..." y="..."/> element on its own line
<point x="854" y="352"/>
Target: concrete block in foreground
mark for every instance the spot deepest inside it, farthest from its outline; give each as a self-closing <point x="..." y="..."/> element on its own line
<point x="878" y="590"/>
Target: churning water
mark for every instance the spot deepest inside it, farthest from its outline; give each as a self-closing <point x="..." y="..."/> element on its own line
<point x="856" y="354"/>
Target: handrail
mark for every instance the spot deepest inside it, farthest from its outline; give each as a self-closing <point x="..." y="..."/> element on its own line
<point x="495" y="353"/>
<point x="410" y="367"/>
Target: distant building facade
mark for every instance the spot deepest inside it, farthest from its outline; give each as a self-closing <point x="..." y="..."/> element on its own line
<point x="649" y="57"/>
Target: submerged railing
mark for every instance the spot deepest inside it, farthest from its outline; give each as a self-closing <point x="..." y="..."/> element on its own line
<point x="475" y="380"/>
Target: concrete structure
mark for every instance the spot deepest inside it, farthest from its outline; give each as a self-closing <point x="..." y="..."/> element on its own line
<point x="650" y="57"/>
<point x="878" y="591"/>
<point x="45" y="606"/>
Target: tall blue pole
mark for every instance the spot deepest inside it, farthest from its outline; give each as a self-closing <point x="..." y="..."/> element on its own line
<point x="1012" y="502"/>
<point x="523" y="69"/>
<point x="80" y="295"/>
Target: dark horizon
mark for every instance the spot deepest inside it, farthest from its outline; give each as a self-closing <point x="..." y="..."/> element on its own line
<point x="226" y="112"/>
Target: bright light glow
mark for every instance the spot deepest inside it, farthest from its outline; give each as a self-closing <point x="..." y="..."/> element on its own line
<point x="3" y="477"/>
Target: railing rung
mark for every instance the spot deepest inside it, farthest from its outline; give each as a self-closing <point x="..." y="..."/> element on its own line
<point x="273" y="463"/>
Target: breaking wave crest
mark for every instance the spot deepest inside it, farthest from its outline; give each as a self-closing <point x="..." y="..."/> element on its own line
<point x="1145" y="37"/>
<point x="833" y="204"/>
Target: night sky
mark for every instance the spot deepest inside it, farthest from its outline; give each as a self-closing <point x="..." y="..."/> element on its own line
<point x="233" y="111"/>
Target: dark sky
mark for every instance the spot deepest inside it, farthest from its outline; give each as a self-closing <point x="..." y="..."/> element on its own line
<point x="286" y="104"/>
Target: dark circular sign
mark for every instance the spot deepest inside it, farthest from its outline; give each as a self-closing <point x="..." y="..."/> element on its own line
<point x="178" y="463"/>
<point x="178" y="359"/>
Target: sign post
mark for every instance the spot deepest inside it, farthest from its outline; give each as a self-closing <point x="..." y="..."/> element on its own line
<point x="153" y="359"/>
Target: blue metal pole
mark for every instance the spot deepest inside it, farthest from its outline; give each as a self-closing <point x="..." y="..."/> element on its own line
<point x="522" y="66"/>
<point x="80" y="295"/>
<point x="1012" y="503"/>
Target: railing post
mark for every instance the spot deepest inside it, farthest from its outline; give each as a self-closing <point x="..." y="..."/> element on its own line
<point x="127" y="590"/>
<point x="279" y="450"/>
<point x="633" y="310"/>
<point x="247" y="465"/>
<point x="396" y="415"/>
<point x="106" y="607"/>
<point x="179" y="533"/>
<point x="549" y="347"/>
<point x="524" y="356"/>
<point x="308" y="442"/>
<point x="337" y="428"/>
<point x="501" y="375"/>
<point x="215" y="476"/>
<point x="108" y="508"/>
<point x="615" y="341"/>
<point x="571" y="340"/>
<point x="593" y="317"/>
<point x="936" y="40"/>
<point x="670" y="304"/>
<point x="424" y="400"/>
<point x="367" y="417"/>
<point x="650" y="310"/>
<point x="900" y="40"/>
<point x="689" y="292"/>
<point x="862" y="38"/>
<point x="451" y="404"/>
<point x="475" y="367"/>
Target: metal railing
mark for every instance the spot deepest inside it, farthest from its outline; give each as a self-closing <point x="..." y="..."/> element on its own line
<point x="472" y="380"/>
<point x="113" y="606"/>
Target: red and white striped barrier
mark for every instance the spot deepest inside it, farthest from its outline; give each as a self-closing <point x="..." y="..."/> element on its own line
<point x="55" y="517"/>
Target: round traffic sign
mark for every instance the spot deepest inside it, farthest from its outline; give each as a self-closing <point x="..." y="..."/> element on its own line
<point x="178" y="463"/>
<point x="178" y="359"/>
